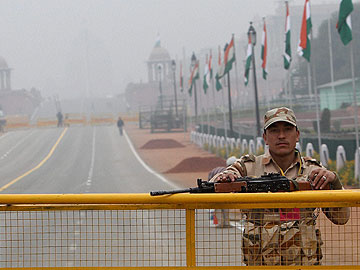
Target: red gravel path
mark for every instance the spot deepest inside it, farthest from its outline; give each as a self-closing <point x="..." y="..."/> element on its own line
<point x="197" y="164"/>
<point x="161" y="144"/>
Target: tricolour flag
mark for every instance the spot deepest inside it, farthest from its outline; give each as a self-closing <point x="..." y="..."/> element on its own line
<point x="304" y="44"/>
<point x="193" y="77"/>
<point x="344" y="22"/>
<point x="264" y="51"/>
<point x="287" y="52"/>
<point x="229" y="56"/>
<point x="207" y="73"/>
<point x="248" y="62"/>
<point x="220" y="72"/>
<point x="181" y="79"/>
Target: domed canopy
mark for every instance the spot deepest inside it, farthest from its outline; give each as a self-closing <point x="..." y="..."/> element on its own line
<point x="159" y="53"/>
<point x="3" y="64"/>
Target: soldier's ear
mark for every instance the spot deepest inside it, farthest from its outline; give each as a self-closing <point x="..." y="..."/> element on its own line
<point x="298" y="135"/>
<point x="264" y="137"/>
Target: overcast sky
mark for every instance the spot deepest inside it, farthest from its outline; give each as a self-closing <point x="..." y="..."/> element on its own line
<point x="44" y="41"/>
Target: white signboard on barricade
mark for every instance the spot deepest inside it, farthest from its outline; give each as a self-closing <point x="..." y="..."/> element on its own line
<point x="259" y="144"/>
<point x="244" y="146"/>
<point x="222" y="142"/>
<point x="357" y="165"/>
<point x="324" y="157"/>
<point x="192" y="136"/>
<point x="217" y="140"/>
<point x="232" y="143"/>
<point x="309" y="150"/>
<point x="252" y="147"/>
<point x="211" y="141"/>
<point x="238" y="144"/>
<point x="340" y="157"/>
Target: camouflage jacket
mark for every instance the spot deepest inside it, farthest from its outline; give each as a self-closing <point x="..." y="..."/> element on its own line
<point x="283" y="236"/>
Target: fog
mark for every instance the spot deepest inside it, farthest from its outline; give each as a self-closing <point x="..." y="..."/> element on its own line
<point x="65" y="47"/>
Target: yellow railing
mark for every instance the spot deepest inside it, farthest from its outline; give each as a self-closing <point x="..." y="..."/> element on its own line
<point x="137" y="231"/>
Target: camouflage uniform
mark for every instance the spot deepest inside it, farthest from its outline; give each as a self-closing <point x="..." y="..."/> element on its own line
<point x="282" y="236"/>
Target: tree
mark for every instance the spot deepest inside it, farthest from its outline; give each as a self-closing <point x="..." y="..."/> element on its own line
<point x="325" y="121"/>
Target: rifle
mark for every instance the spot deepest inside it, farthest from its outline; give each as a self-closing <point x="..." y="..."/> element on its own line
<point x="272" y="182"/>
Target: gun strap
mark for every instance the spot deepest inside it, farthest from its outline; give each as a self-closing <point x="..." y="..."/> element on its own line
<point x="293" y="185"/>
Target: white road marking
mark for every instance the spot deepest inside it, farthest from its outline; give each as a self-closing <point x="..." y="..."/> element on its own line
<point x="16" y="145"/>
<point x="52" y="150"/>
<point x="4" y="135"/>
<point x="162" y="178"/>
<point x="91" y="170"/>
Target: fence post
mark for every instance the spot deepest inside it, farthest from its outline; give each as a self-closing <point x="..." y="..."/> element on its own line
<point x="190" y="238"/>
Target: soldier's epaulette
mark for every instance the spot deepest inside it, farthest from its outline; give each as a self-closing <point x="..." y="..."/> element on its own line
<point x="248" y="158"/>
<point x="312" y="161"/>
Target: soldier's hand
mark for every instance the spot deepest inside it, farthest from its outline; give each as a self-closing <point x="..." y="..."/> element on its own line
<point x="321" y="177"/>
<point x="225" y="177"/>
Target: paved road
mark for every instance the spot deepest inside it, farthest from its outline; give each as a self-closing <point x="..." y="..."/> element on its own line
<point x="91" y="159"/>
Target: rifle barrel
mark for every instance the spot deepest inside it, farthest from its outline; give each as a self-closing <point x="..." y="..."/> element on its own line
<point x="166" y="192"/>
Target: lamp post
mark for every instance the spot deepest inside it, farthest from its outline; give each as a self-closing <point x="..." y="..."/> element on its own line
<point x="160" y="88"/>
<point x="252" y="36"/>
<point x="173" y="67"/>
<point x="193" y="63"/>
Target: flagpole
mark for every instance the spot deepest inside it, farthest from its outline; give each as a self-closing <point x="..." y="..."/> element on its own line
<point x="185" y="106"/>
<point x="208" y="114"/>
<point x="331" y="60"/>
<point x="201" y="106"/>
<point x="190" y="106"/>
<point x="258" y="132"/>
<point x="214" y="102"/>
<point x="317" y="102"/>
<point x="290" y="89"/>
<point x="224" y="119"/>
<point x="230" y="109"/>
<point x="205" y="92"/>
<point x="287" y="52"/>
<point x="231" y="135"/>
<point x="237" y="85"/>
<point x="355" y="97"/>
<point x="238" y="93"/>
<point x="309" y="82"/>
<point x="267" y="95"/>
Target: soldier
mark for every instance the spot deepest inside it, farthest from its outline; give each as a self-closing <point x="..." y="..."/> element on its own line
<point x="120" y="124"/>
<point x="60" y="117"/>
<point x="284" y="236"/>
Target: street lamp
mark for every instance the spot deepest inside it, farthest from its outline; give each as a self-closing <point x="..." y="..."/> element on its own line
<point x="252" y="37"/>
<point x="160" y="88"/>
<point x="173" y="67"/>
<point x="193" y="63"/>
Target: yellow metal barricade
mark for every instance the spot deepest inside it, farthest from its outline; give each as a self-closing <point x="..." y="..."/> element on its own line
<point x="75" y="119"/>
<point x="46" y="122"/>
<point x="102" y="119"/>
<point x="17" y="121"/>
<point x="137" y="231"/>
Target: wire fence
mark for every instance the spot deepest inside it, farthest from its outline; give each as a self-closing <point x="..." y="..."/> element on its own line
<point x="182" y="231"/>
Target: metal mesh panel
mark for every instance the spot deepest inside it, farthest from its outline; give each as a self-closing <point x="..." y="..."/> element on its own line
<point x="92" y="238"/>
<point x="156" y="235"/>
<point x="218" y="239"/>
<point x="269" y="237"/>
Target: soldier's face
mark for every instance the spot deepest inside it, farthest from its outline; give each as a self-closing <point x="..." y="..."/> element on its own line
<point x="281" y="138"/>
